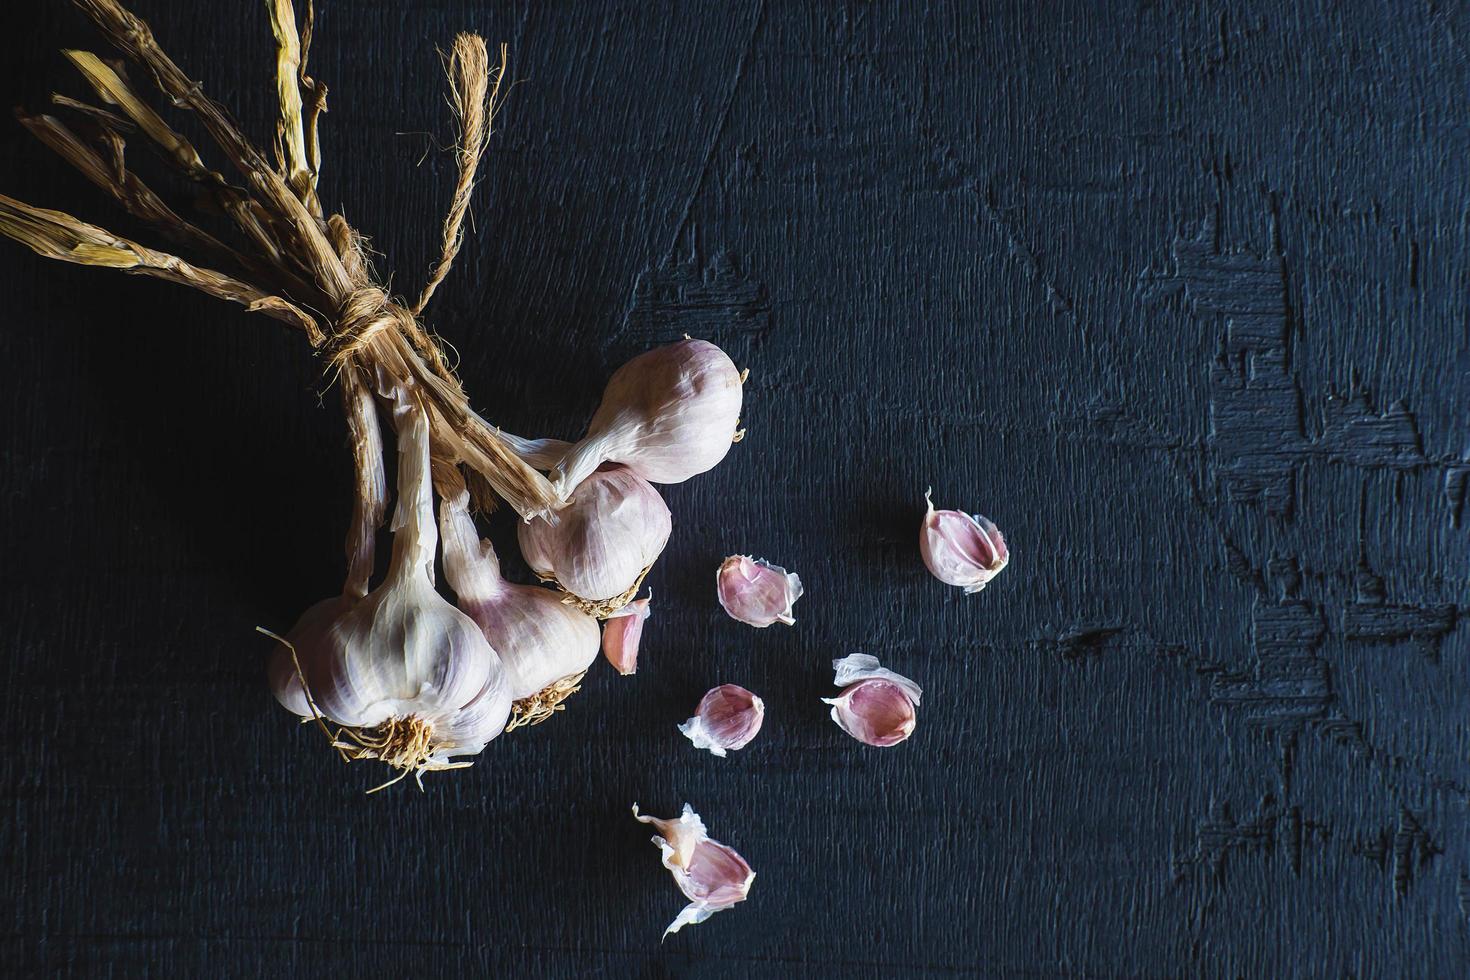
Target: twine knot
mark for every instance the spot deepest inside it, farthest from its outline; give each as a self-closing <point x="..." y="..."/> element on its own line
<point x="366" y="312"/>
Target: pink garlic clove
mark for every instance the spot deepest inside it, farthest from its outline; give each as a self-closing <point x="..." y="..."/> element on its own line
<point x="876" y="706"/>
<point x="756" y="592"/>
<point x="728" y="717"/>
<point x="711" y="875"/>
<point x="961" y="549"/>
<point x="621" y="633"/>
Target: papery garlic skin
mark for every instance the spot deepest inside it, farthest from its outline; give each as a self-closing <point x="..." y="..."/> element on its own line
<point x="400" y="657"/>
<point x="621" y="635"/>
<point x="961" y="549"/>
<point x="756" y="592"/>
<point x="876" y="706"/>
<point x="541" y="640"/>
<point x="668" y="414"/>
<point x="728" y="717"/>
<point x="614" y="527"/>
<point x="710" y="874"/>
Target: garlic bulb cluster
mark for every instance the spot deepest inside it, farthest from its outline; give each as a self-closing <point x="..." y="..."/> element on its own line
<point x="876" y="706"/>
<point x="409" y="678"/>
<point x="728" y="717"/>
<point x="757" y="592"/>
<point x="613" y="528"/>
<point x="710" y="874"/>
<point x="545" y="645"/>
<point x="622" y="633"/>
<point x="668" y="414"/>
<point x="961" y="549"/>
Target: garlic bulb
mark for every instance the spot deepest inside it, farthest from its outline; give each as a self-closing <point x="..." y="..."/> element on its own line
<point x="711" y="875"/>
<point x="605" y="538"/>
<point x="728" y="717"/>
<point x="621" y="633"/>
<point x="960" y="549"/>
<point x="757" y="592"/>
<point x="668" y="414"/>
<point x="409" y="678"/>
<point x="545" y="644"/>
<point x="876" y="706"/>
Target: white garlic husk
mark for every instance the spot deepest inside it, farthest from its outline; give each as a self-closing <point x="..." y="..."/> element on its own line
<point x="409" y="678"/>
<point x="876" y="706"/>
<point x="668" y="414"/>
<point x="728" y="717"/>
<point x="961" y="549"/>
<point x="622" y="633"/>
<point x="710" y="874"/>
<point x="756" y="592"/>
<point x="613" y="528"/>
<point x="545" y="644"/>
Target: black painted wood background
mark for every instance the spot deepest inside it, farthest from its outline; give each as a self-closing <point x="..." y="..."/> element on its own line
<point x="1175" y="293"/>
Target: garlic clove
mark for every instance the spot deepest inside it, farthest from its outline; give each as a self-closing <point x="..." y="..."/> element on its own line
<point x="961" y="549"/>
<point x="621" y="634"/>
<point x="757" y="592"/>
<point x="668" y="414"/>
<point x="545" y="644"/>
<point x="613" y="528"/>
<point x="728" y="717"/>
<point x="710" y="874"/>
<point x="876" y="706"/>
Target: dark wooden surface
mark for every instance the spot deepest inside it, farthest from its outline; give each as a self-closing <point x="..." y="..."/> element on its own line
<point x="1175" y="293"/>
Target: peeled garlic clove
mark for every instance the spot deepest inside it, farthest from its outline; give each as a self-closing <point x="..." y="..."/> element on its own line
<point x="728" y="717"/>
<point x="876" y="706"/>
<point x="710" y="874"/>
<point x="961" y="549"/>
<point x="621" y="633"/>
<point x="543" y="642"/>
<point x="409" y="678"/>
<point x="668" y="414"/>
<point x="757" y="592"/>
<point x="613" y="528"/>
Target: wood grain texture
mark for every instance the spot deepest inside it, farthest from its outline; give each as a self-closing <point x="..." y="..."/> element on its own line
<point x="1174" y="293"/>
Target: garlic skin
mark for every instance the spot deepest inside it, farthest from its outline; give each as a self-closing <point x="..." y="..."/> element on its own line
<point x="668" y="414"/>
<point x="756" y="592"/>
<point x="621" y="634"/>
<point x="410" y="677"/>
<point x="961" y="549"/>
<point x="612" y="529"/>
<point x="876" y="706"/>
<point x="728" y="717"/>
<point x="541" y="640"/>
<point x="711" y="875"/>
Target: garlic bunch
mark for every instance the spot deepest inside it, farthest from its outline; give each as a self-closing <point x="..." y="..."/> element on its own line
<point x="668" y="414"/>
<point x="757" y="592"/>
<point x="876" y="706"/>
<point x="621" y="633"/>
<point x="960" y="549"/>
<point x="710" y="874"/>
<point x="545" y="644"/>
<point x="728" y="717"/>
<point x="611" y="530"/>
<point x="409" y="678"/>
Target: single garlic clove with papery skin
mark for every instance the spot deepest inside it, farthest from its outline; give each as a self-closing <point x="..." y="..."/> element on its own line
<point x="876" y="706"/>
<point x="710" y="874"/>
<point x="728" y="717"/>
<point x="961" y="549"/>
<point x="621" y="633"/>
<point x="756" y="592"/>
